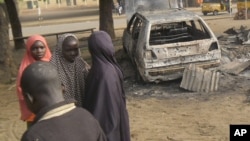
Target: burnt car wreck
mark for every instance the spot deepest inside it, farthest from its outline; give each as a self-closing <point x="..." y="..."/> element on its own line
<point x="161" y="44"/>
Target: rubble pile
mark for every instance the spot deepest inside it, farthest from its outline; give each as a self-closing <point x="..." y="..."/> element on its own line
<point x="235" y="47"/>
<point x="238" y="36"/>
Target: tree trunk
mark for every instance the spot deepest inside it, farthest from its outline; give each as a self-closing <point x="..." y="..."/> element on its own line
<point x="9" y="67"/>
<point x="106" y="17"/>
<point x="4" y="32"/>
<point x="15" y="23"/>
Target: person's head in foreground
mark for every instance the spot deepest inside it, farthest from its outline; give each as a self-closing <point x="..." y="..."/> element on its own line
<point x="56" y="119"/>
<point x="41" y="86"/>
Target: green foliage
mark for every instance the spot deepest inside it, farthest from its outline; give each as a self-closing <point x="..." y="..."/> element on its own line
<point x="1" y="1"/>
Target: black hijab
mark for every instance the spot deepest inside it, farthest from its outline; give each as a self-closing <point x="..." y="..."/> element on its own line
<point x="105" y="97"/>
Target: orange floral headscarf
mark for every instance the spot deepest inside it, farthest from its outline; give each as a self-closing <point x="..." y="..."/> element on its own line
<point x="26" y="114"/>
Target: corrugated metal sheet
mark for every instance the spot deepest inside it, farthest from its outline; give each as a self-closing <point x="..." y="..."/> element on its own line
<point x="200" y="80"/>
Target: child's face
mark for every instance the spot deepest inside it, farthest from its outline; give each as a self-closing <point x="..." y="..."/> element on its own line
<point x="70" y="50"/>
<point x="38" y="50"/>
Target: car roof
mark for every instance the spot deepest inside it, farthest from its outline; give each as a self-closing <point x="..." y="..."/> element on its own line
<point x="167" y="15"/>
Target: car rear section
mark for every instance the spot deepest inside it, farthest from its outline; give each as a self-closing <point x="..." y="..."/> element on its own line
<point x="173" y="43"/>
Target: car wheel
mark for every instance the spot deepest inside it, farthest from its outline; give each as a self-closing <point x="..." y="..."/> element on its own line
<point x="215" y="12"/>
<point x="205" y="13"/>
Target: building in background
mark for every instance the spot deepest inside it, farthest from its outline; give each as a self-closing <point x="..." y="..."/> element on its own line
<point x="33" y="4"/>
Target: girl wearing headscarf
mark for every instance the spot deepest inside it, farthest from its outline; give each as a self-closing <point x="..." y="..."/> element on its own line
<point x="36" y="50"/>
<point x="71" y="67"/>
<point x="105" y="97"/>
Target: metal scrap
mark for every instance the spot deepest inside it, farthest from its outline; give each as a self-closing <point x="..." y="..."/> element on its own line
<point x="200" y="80"/>
<point x="235" y="67"/>
<point x="238" y="36"/>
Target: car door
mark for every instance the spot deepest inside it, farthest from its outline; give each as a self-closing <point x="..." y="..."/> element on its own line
<point x="127" y="35"/>
<point x="131" y="35"/>
<point x="136" y="34"/>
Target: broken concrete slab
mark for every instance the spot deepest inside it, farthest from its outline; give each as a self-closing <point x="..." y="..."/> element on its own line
<point x="234" y="67"/>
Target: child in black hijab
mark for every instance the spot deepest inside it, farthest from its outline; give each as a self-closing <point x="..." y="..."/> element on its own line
<point x="105" y="97"/>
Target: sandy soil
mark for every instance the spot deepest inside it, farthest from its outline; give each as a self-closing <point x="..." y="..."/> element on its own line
<point x="162" y="112"/>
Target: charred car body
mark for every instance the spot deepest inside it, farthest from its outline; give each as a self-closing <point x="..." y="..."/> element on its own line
<point x="162" y="43"/>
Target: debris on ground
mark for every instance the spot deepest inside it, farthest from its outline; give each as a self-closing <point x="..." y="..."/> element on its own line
<point x="235" y="67"/>
<point x="200" y="80"/>
<point x="237" y="36"/>
<point x="235" y="50"/>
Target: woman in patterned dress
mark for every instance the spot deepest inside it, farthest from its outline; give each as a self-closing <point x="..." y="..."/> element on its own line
<point x="71" y="67"/>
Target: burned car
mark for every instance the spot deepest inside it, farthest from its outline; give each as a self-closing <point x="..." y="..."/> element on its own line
<point x="161" y="44"/>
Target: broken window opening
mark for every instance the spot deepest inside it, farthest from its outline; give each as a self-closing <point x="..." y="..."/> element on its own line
<point x="183" y="31"/>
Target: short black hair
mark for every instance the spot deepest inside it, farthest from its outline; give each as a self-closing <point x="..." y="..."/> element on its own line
<point x="39" y="74"/>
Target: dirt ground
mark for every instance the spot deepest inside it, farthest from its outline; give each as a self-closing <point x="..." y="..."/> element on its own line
<point x="164" y="111"/>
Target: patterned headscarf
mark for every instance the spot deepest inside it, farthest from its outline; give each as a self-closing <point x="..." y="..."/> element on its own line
<point x="27" y="60"/>
<point x="72" y="74"/>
